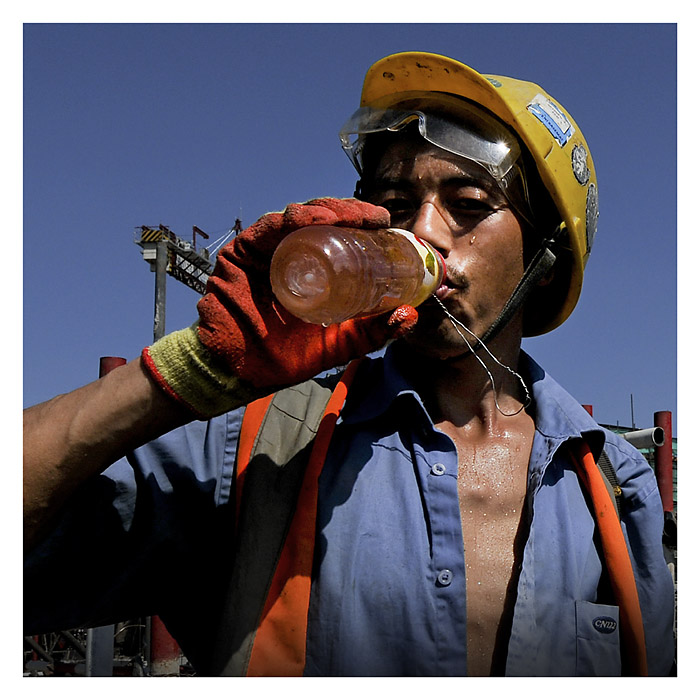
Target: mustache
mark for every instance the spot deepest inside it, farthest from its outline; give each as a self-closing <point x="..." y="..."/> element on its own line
<point x="457" y="276"/>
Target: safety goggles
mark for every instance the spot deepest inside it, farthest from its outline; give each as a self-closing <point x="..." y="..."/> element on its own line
<point x="474" y="135"/>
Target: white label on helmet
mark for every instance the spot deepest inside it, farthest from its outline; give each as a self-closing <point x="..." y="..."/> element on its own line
<point x="552" y="117"/>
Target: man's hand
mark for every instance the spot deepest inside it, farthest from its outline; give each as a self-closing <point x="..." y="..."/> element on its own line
<point x="245" y="343"/>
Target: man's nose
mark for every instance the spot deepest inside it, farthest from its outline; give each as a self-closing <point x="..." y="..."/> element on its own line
<point x="429" y="223"/>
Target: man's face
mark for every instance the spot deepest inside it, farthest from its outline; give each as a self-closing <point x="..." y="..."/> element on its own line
<point x="454" y="205"/>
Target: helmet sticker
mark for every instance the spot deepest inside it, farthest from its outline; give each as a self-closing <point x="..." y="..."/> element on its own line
<point x="591" y="216"/>
<point x="579" y="163"/>
<point x="552" y="117"/>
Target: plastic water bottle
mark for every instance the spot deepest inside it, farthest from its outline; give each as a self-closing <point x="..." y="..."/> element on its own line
<point x="328" y="274"/>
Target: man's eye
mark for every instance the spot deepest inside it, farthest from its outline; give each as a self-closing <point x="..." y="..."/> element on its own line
<point x="467" y="204"/>
<point x="396" y="206"/>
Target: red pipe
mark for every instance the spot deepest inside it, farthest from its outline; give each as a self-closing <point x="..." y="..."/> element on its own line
<point x="107" y="364"/>
<point x="165" y="652"/>
<point x="663" y="459"/>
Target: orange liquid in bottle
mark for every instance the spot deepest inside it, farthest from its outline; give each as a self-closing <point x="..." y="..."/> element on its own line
<point x="328" y="274"/>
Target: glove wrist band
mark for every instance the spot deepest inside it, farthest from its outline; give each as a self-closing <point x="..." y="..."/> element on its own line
<point x="186" y="371"/>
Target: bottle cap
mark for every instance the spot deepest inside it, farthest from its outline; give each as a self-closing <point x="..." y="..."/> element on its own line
<point x="433" y="263"/>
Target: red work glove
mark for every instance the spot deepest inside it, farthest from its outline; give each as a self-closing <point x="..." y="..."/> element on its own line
<point x="246" y="343"/>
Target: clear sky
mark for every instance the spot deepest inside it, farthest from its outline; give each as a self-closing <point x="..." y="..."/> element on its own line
<point x="198" y="124"/>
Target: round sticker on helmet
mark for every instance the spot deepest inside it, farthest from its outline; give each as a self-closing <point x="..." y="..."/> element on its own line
<point x="579" y="163"/>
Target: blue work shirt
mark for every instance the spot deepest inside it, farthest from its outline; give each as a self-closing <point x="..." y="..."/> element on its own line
<point x="151" y="536"/>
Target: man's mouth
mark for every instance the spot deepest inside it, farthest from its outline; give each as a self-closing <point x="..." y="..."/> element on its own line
<point x="453" y="281"/>
<point x="443" y="290"/>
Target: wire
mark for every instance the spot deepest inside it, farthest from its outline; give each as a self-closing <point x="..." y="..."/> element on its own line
<point x="214" y="247"/>
<point x="457" y="323"/>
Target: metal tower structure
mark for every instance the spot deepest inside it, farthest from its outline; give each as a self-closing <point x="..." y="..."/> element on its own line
<point x="168" y="254"/>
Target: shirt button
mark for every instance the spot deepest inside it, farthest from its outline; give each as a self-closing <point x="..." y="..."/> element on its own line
<point x="445" y="577"/>
<point x="437" y="469"/>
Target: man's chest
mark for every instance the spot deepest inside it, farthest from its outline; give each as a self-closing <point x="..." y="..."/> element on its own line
<point x="491" y="487"/>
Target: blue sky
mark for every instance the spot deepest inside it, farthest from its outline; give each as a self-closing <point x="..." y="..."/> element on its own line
<point x="187" y="124"/>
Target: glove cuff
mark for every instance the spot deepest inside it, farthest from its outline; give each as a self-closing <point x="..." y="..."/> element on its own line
<point x="183" y="367"/>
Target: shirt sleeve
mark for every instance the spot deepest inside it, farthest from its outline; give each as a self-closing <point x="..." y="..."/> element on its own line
<point x="643" y="522"/>
<point x="128" y="533"/>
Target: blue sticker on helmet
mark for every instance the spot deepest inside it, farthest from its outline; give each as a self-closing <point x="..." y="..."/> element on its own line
<point x="553" y="118"/>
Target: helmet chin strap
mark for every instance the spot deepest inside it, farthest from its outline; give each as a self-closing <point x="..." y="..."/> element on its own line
<point x="540" y="265"/>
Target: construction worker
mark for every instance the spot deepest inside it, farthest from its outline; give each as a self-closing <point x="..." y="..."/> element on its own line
<point x="435" y="509"/>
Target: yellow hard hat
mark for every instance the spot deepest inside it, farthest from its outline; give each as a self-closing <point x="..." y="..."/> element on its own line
<point x="555" y="142"/>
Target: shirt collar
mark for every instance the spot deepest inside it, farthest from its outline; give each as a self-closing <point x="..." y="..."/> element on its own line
<point x="558" y="416"/>
<point x="378" y="384"/>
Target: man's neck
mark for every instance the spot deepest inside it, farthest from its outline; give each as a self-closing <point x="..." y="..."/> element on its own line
<point x="461" y="392"/>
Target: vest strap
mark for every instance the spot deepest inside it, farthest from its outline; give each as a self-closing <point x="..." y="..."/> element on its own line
<point x="280" y="644"/>
<point x="282" y="447"/>
<point x="617" y="560"/>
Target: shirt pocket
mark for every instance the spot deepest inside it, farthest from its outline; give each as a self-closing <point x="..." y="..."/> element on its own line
<point x="597" y="639"/>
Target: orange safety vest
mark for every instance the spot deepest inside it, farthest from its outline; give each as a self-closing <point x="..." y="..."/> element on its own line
<point x="282" y="448"/>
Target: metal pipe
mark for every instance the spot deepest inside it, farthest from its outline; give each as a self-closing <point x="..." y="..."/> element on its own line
<point x="99" y="657"/>
<point x="74" y="642"/>
<point x="38" y="649"/>
<point x="663" y="459"/>
<point x="163" y="651"/>
<point x="649" y="437"/>
<point x="159" y="310"/>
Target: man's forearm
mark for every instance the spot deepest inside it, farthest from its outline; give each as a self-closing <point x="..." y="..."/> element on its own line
<point x="74" y="436"/>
